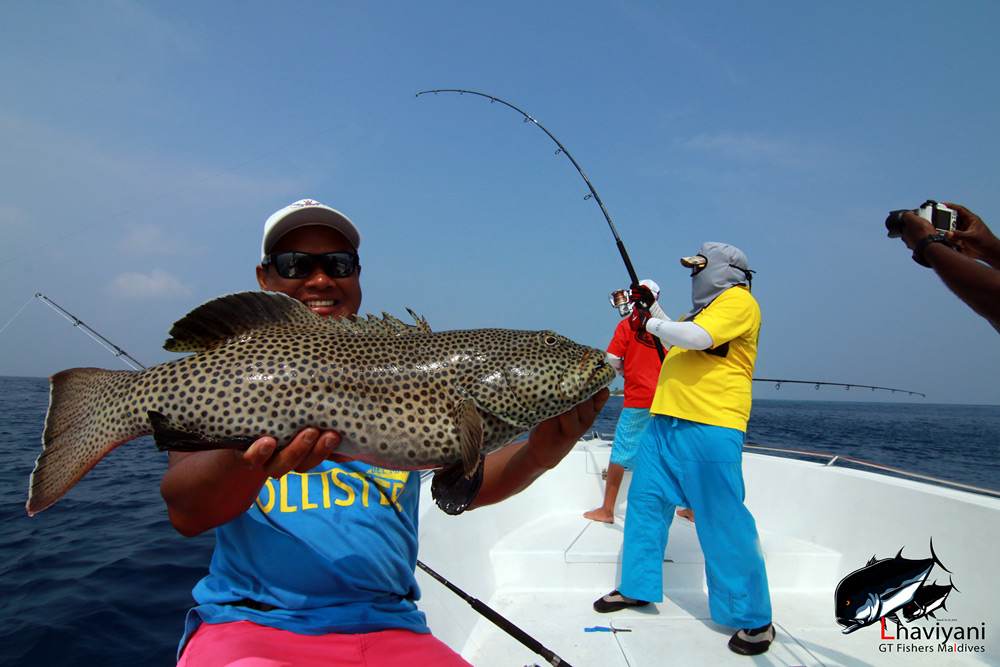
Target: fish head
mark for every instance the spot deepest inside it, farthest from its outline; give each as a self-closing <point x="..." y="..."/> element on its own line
<point x="858" y="611"/>
<point x="857" y="600"/>
<point x="547" y="373"/>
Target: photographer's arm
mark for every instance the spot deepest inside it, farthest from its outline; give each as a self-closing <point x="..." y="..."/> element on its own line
<point x="973" y="282"/>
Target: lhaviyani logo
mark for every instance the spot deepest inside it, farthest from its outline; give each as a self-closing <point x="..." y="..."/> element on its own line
<point x="897" y="589"/>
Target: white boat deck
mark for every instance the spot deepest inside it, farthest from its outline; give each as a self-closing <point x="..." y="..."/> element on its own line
<point x="539" y="563"/>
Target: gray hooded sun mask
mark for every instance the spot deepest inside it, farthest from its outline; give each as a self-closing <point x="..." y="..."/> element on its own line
<point x="725" y="267"/>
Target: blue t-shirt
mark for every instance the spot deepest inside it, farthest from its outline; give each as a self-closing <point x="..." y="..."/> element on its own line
<point x="328" y="549"/>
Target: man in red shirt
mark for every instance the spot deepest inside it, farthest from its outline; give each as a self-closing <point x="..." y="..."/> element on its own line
<point x="634" y="356"/>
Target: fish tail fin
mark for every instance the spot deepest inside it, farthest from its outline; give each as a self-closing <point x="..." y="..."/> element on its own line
<point x="81" y="426"/>
<point x="935" y="558"/>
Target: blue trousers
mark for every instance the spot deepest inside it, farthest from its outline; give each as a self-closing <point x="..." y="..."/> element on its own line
<point x="697" y="466"/>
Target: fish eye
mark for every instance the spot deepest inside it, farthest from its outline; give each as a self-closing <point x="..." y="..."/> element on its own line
<point x="549" y="340"/>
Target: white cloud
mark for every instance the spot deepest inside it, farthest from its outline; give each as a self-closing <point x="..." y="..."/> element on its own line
<point x="759" y="148"/>
<point x="157" y="285"/>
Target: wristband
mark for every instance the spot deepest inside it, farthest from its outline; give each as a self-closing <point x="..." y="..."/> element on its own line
<point x="918" y="251"/>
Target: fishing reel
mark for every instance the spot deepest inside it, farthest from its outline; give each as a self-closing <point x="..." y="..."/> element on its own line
<point x="622" y="300"/>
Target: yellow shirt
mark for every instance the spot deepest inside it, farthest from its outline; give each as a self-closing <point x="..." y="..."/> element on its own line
<point x="713" y="386"/>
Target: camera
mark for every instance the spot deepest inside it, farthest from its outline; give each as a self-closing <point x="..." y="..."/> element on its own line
<point x="941" y="217"/>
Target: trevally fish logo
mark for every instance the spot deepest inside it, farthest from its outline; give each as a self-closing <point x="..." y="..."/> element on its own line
<point x="888" y="587"/>
<point x="928" y="599"/>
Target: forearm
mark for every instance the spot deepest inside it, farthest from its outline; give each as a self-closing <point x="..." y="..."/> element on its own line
<point x="204" y="490"/>
<point x="973" y="282"/>
<point x="511" y="469"/>
<point x="687" y="335"/>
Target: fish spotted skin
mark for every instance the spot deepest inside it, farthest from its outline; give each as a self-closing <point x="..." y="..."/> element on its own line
<point x="401" y="395"/>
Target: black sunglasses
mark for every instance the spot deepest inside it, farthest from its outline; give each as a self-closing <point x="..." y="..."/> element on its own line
<point x="295" y="265"/>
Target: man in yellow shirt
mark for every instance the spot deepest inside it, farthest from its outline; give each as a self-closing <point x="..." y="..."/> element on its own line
<point x="692" y="450"/>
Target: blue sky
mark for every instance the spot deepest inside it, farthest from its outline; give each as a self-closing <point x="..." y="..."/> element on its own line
<point x="142" y="145"/>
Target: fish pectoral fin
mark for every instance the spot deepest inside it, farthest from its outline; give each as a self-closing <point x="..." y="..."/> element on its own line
<point x="170" y="438"/>
<point x="453" y="490"/>
<point x="470" y="435"/>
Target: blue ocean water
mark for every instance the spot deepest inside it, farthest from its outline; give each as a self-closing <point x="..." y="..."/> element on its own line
<point x="102" y="578"/>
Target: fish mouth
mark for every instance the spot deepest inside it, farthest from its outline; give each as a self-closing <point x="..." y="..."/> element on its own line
<point x="851" y="627"/>
<point x="601" y="376"/>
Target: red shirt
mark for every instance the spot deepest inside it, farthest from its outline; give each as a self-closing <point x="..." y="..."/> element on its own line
<point x="641" y="364"/>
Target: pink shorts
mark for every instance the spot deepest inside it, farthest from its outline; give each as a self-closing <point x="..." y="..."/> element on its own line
<point x="246" y="644"/>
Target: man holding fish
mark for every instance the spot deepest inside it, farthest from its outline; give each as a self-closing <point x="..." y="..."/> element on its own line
<point x="320" y="567"/>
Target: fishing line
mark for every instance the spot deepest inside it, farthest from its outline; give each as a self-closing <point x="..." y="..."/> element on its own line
<point x="17" y="313"/>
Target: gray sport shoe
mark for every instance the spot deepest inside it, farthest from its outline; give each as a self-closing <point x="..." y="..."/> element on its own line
<point x="752" y="642"/>
<point x="615" y="601"/>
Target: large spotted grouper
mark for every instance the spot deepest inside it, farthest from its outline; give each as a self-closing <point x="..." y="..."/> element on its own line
<point x="401" y="395"/>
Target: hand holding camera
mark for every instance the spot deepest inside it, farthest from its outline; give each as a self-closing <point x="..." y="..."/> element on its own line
<point x="974" y="239"/>
<point x="972" y="272"/>
<point x="928" y="224"/>
<point x="942" y="219"/>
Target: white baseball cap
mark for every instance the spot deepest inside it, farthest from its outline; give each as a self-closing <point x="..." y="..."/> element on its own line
<point x="653" y="287"/>
<point x="302" y="213"/>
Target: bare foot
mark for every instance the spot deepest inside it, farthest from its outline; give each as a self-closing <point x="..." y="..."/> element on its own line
<point x="685" y="513"/>
<point x="600" y="514"/>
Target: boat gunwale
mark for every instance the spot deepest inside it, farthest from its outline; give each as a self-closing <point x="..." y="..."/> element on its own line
<point x="832" y="460"/>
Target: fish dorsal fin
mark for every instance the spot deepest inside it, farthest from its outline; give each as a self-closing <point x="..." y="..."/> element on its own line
<point x="871" y="562"/>
<point x="233" y="315"/>
<point x="387" y="325"/>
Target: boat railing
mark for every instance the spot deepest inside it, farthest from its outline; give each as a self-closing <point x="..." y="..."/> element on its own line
<point x="833" y="460"/>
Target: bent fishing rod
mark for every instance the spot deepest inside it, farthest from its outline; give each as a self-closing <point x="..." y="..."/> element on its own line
<point x="562" y="149"/>
<point x="483" y="609"/>
<point x="593" y="193"/>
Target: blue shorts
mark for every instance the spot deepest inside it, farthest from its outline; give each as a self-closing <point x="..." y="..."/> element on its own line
<point x="631" y="425"/>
